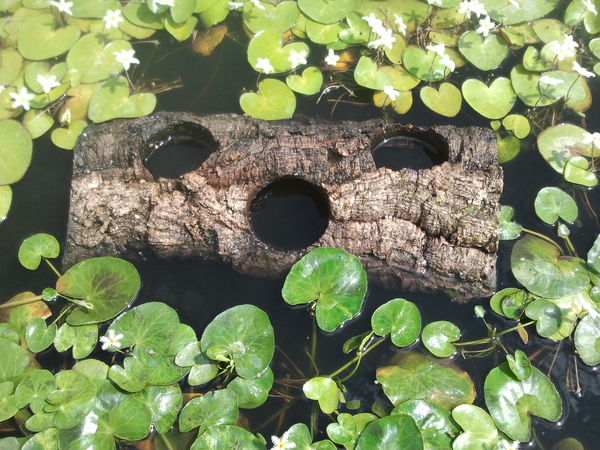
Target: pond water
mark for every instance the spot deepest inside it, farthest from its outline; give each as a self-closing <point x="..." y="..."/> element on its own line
<point x="199" y="290"/>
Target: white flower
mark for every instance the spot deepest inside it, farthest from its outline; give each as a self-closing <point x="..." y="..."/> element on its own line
<point x="563" y="50"/>
<point x="2" y="88"/>
<point x="582" y="71"/>
<point x="264" y="65"/>
<point x="435" y="2"/>
<point x="331" y="59"/>
<point x="471" y="7"/>
<point x="547" y="79"/>
<point x="593" y="139"/>
<point x="385" y="38"/>
<point x="296" y="58"/>
<point x="235" y="5"/>
<point x="282" y="443"/>
<point x="112" y="19"/>
<point x="111" y="340"/>
<point x="126" y="58"/>
<point x="446" y="61"/>
<point x="485" y="26"/>
<point x="63" y="6"/>
<point x="590" y="7"/>
<point x="505" y="445"/>
<point x="257" y="4"/>
<point x="570" y="44"/>
<point x="391" y="92"/>
<point x="439" y="49"/>
<point x="165" y="2"/>
<point x="47" y="83"/>
<point x="22" y="99"/>
<point x="514" y="3"/>
<point x="399" y="24"/>
<point x="373" y="22"/>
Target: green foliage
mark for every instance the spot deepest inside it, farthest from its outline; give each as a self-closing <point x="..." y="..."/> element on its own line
<point x="400" y="318"/>
<point x="36" y="247"/>
<point x="479" y="430"/>
<point x="325" y="391"/>
<point x="15" y="151"/>
<point x="508" y="230"/>
<point x="210" y="410"/>
<point x="438" y="337"/>
<point x="552" y="203"/>
<point x="390" y="433"/>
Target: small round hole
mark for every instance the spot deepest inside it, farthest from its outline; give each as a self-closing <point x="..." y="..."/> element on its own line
<point x="289" y="214"/>
<point x="406" y="152"/>
<point x="174" y="158"/>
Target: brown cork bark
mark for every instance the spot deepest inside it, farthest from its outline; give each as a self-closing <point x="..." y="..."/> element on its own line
<point x="424" y="230"/>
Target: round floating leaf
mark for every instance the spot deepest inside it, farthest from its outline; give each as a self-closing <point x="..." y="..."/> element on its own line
<point x="331" y="277"/>
<point x="164" y="402"/>
<point x="139" y="14"/>
<point x="508" y="230"/>
<point x="132" y="377"/>
<point x="539" y="266"/>
<point x="203" y="369"/>
<point x="480" y="432"/>
<point x="534" y="62"/>
<point x="511" y="401"/>
<point x="509" y="302"/>
<point x="399" y="318"/>
<point x="573" y="88"/>
<point x="38" y="335"/>
<point x="46" y="440"/>
<point x="34" y="388"/>
<point x="214" y="14"/>
<point x="67" y="138"/>
<point x="391" y="433"/>
<point x="227" y="437"/>
<point x="446" y="101"/>
<point x="112" y="100"/>
<point x="510" y="14"/>
<point x="180" y="31"/>
<point x="348" y="428"/>
<point x="424" y="65"/>
<point x="415" y="377"/>
<point x="253" y="392"/>
<point x="69" y="385"/>
<point x="520" y="365"/>
<point x="274" y="102"/>
<point x="7" y="331"/>
<point x="526" y="85"/>
<point x="5" y="201"/>
<point x="247" y="335"/>
<point x="493" y="102"/>
<point x="325" y="34"/>
<point x="508" y="148"/>
<point x="434" y="422"/>
<point x="269" y="45"/>
<point x="15" y="151"/>
<point x="559" y="143"/>
<point x="326" y="11"/>
<point x="36" y="247"/>
<point x="82" y="338"/>
<point x="358" y="31"/>
<point x="7" y="401"/>
<point x="518" y="124"/>
<point x="587" y="339"/>
<point x="11" y="63"/>
<point x="552" y="203"/>
<point x="279" y="17"/>
<point x="308" y="83"/>
<point x="37" y="122"/>
<point x="209" y="410"/>
<point x="108" y="284"/>
<point x="14" y="360"/>
<point x="438" y="336"/>
<point x="577" y="171"/>
<point x="367" y="75"/>
<point x="325" y="391"/>
<point x="92" y="368"/>
<point x="39" y="39"/>
<point x="484" y="54"/>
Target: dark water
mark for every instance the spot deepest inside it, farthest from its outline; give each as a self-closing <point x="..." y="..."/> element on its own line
<point x="199" y="290"/>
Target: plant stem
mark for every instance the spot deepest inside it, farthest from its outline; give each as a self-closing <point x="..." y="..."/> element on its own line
<point x="24" y="301"/>
<point x="355" y="359"/>
<point x="546" y="238"/>
<point x="58" y="274"/>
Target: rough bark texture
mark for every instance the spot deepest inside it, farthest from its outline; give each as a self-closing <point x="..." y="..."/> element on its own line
<point x="424" y="230"/>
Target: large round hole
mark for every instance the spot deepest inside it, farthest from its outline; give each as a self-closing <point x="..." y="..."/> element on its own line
<point x="406" y="152"/>
<point x="175" y="157"/>
<point x="289" y="214"/>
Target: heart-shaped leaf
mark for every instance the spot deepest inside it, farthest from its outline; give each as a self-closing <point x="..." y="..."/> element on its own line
<point x="279" y="17"/>
<point x="587" y="339"/>
<point x="479" y="433"/>
<point x="253" y="392"/>
<point x="534" y="62"/>
<point x="518" y="124"/>
<point x="519" y="364"/>
<point x="11" y="63"/>
<point x="325" y="390"/>
<point x="484" y="54"/>
<point x="67" y="137"/>
<point x="227" y="437"/>
<point x="34" y="388"/>
<point x="37" y="122"/>
<point x="510" y="14"/>
<point x="308" y="83"/>
<point x="82" y="338"/>
<point x="132" y="377"/>
<point x="7" y="400"/>
<point x="269" y="45"/>
<point x="181" y="31"/>
<point x="493" y="102"/>
<point x="552" y="203"/>
<point x="446" y="101"/>
<point x="274" y="102"/>
<point x="400" y="318"/>
<point x="203" y="369"/>
<point x="509" y="302"/>
<point x="425" y="66"/>
<point x="577" y="171"/>
<point x="508" y="148"/>
<point x="526" y="85"/>
<point x="36" y="247"/>
<point x="112" y="100"/>
<point x="69" y="385"/>
<point x="547" y="316"/>
<point x="210" y="410"/>
<point x="367" y="75"/>
<point x="391" y="433"/>
<point x="38" y="335"/>
<point x="320" y="33"/>
<point x="559" y="143"/>
<point x="508" y="230"/>
<point x="438" y="337"/>
<point x="14" y="358"/>
<point x="323" y="11"/>
<point x="348" y="428"/>
<point x="15" y="151"/>
<point x="39" y="39"/>
<point x="164" y="402"/>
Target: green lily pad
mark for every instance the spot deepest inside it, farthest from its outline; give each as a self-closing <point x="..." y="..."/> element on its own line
<point x="577" y="171"/>
<point x="593" y="257"/>
<point x="216" y="13"/>
<point x="508" y="230"/>
<point x="108" y="284"/>
<point x="508" y="147"/>
<point x="358" y="31"/>
<point x="326" y="11"/>
<point x="534" y="62"/>
<point x="93" y="10"/>
<point x="46" y="440"/>
<point x="132" y="377"/>
<point x="512" y="14"/>
<point x="493" y="102"/>
<point x="82" y="338"/>
<point x="331" y="277"/>
<point x="92" y="368"/>
<point x="7" y="400"/>
<point x="274" y="102"/>
<point x="587" y="339"/>
<point x="526" y="85"/>
<point x="269" y="45"/>
<point x="425" y="66"/>
<point x="202" y="368"/>
<point x="39" y="39"/>
<point x="320" y="33"/>
<point x="164" y="402"/>
<point x="348" y="428"/>
<point x="253" y="392"/>
<point x="37" y="122"/>
<point x="69" y="385"/>
<point x="552" y="203"/>
<point x="38" y="335"/>
<point x="279" y="17"/>
<point x="309" y="83"/>
<point x="549" y="30"/>
<point x="36" y="247"/>
<point x="438" y="338"/>
<point x="11" y="63"/>
<point x="5" y="201"/>
<point x="485" y="54"/>
<point x="34" y="388"/>
<point x="15" y="151"/>
<point x="539" y="266"/>
<point x="446" y="101"/>
<point x="112" y="100"/>
<point x="14" y="358"/>
<point x="391" y="433"/>
<point x="559" y="143"/>
<point x="20" y="316"/>
<point x="139" y="14"/>
<point x="479" y="433"/>
<point x="519" y="364"/>
<point x="227" y="437"/>
<point x="252" y="345"/>
<point x="210" y="410"/>
<point x="509" y="302"/>
<point x="8" y="331"/>
<point x="511" y="401"/>
<point x="415" y="377"/>
<point x="181" y="31"/>
<point x="518" y="124"/>
<point x="325" y="391"/>
<point x="572" y="87"/>
<point x="67" y="137"/>
<point x="399" y="318"/>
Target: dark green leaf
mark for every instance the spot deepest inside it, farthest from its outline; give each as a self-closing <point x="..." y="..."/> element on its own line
<point x="227" y="437"/>
<point x="209" y="410"/>
<point x="520" y="365"/>
<point x="36" y="247"/>
<point x="438" y="337"/>
<point x="38" y="335"/>
<point x="547" y="316"/>
<point x="399" y="318"/>
<point x="391" y="433"/>
<point x="253" y="392"/>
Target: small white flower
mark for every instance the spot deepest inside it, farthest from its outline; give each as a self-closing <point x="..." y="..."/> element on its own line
<point x="111" y="340"/>
<point x="235" y="5"/>
<point x="296" y="58"/>
<point x="126" y="58"/>
<point x="446" y="61"/>
<point x="399" y="24"/>
<point x="63" y="6"/>
<point x="264" y="65"/>
<point x="563" y="50"/>
<point x="257" y="4"/>
<point x="385" y="39"/>
<point x="547" y="79"/>
<point x="471" y="7"/>
<point x="582" y="71"/>
<point x="112" y="19"/>
<point x="331" y="59"/>
<point x="440" y="49"/>
<point x="590" y="7"/>
<point x="373" y="22"/>
<point x="282" y="443"/>
<point x="570" y="44"/>
<point x="514" y="3"/>
<point x="2" y="88"/>
<point x="594" y="139"/>
<point x="22" y="99"/>
<point x="391" y="92"/>
<point x="165" y="2"/>
<point x="485" y="26"/>
<point x="47" y="83"/>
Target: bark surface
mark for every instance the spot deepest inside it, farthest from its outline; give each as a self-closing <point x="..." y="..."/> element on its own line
<point x="423" y="230"/>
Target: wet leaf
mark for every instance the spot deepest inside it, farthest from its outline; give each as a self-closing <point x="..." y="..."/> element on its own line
<point x="399" y="318"/>
<point x="325" y="33"/>
<point x="15" y="151"/>
<point x="326" y="11"/>
<point x="69" y="385"/>
<point x="485" y="54"/>
<point x="509" y="302"/>
<point x="518" y="124"/>
<point x="526" y="85"/>
<point x="309" y="83"/>
<point x="37" y="122"/>
<point x="46" y="440"/>
<point x="348" y="428"/>
<point x="438" y="337"/>
<point x="280" y="17"/>
<point x="331" y="277"/>
<point x="227" y="437"/>
<point x="493" y="102"/>
<point x="14" y="360"/>
<point x="274" y="101"/>
<point x="11" y="63"/>
<point x="20" y="316"/>
<point x="508" y="230"/>
<point x="67" y="137"/>
<point x="206" y="41"/>
<point x="446" y="101"/>
<point x="534" y="62"/>
<point x="74" y="410"/>
<point x="253" y="392"/>
<point x="203" y="369"/>
<point x="512" y="14"/>
<point x="216" y="13"/>
<point x="519" y="365"/>
<point x="132" y="377"/>
<point x="39" y="39"/>
<point x="577" y="171"/>
<point x="82" y="338"/>
<point x="424" y="65"/>
<point x="209" y="410"/>
<point x="181" y="31"/>
<point x="508" y="148"/>
<point x="7" y="331"/>
<point x="38" y="335"/>
<point x="34" y="388"/>
<point x="587" y="339"/>
<point x="559" y="143"/>
<point x="552" y="203"/>
<point x="7" y="400"/>
<point x="36" y="247"/>
<point x="112" y="100"/>
<point x="92" y="368"/>
<point x="139" y="14"/>
<point x="325" y="391"/>
<point x="269" y="45"/>
<point x="164" y="402"/>
<point x="391" y="433"/>
<point x="479" y="433"/>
